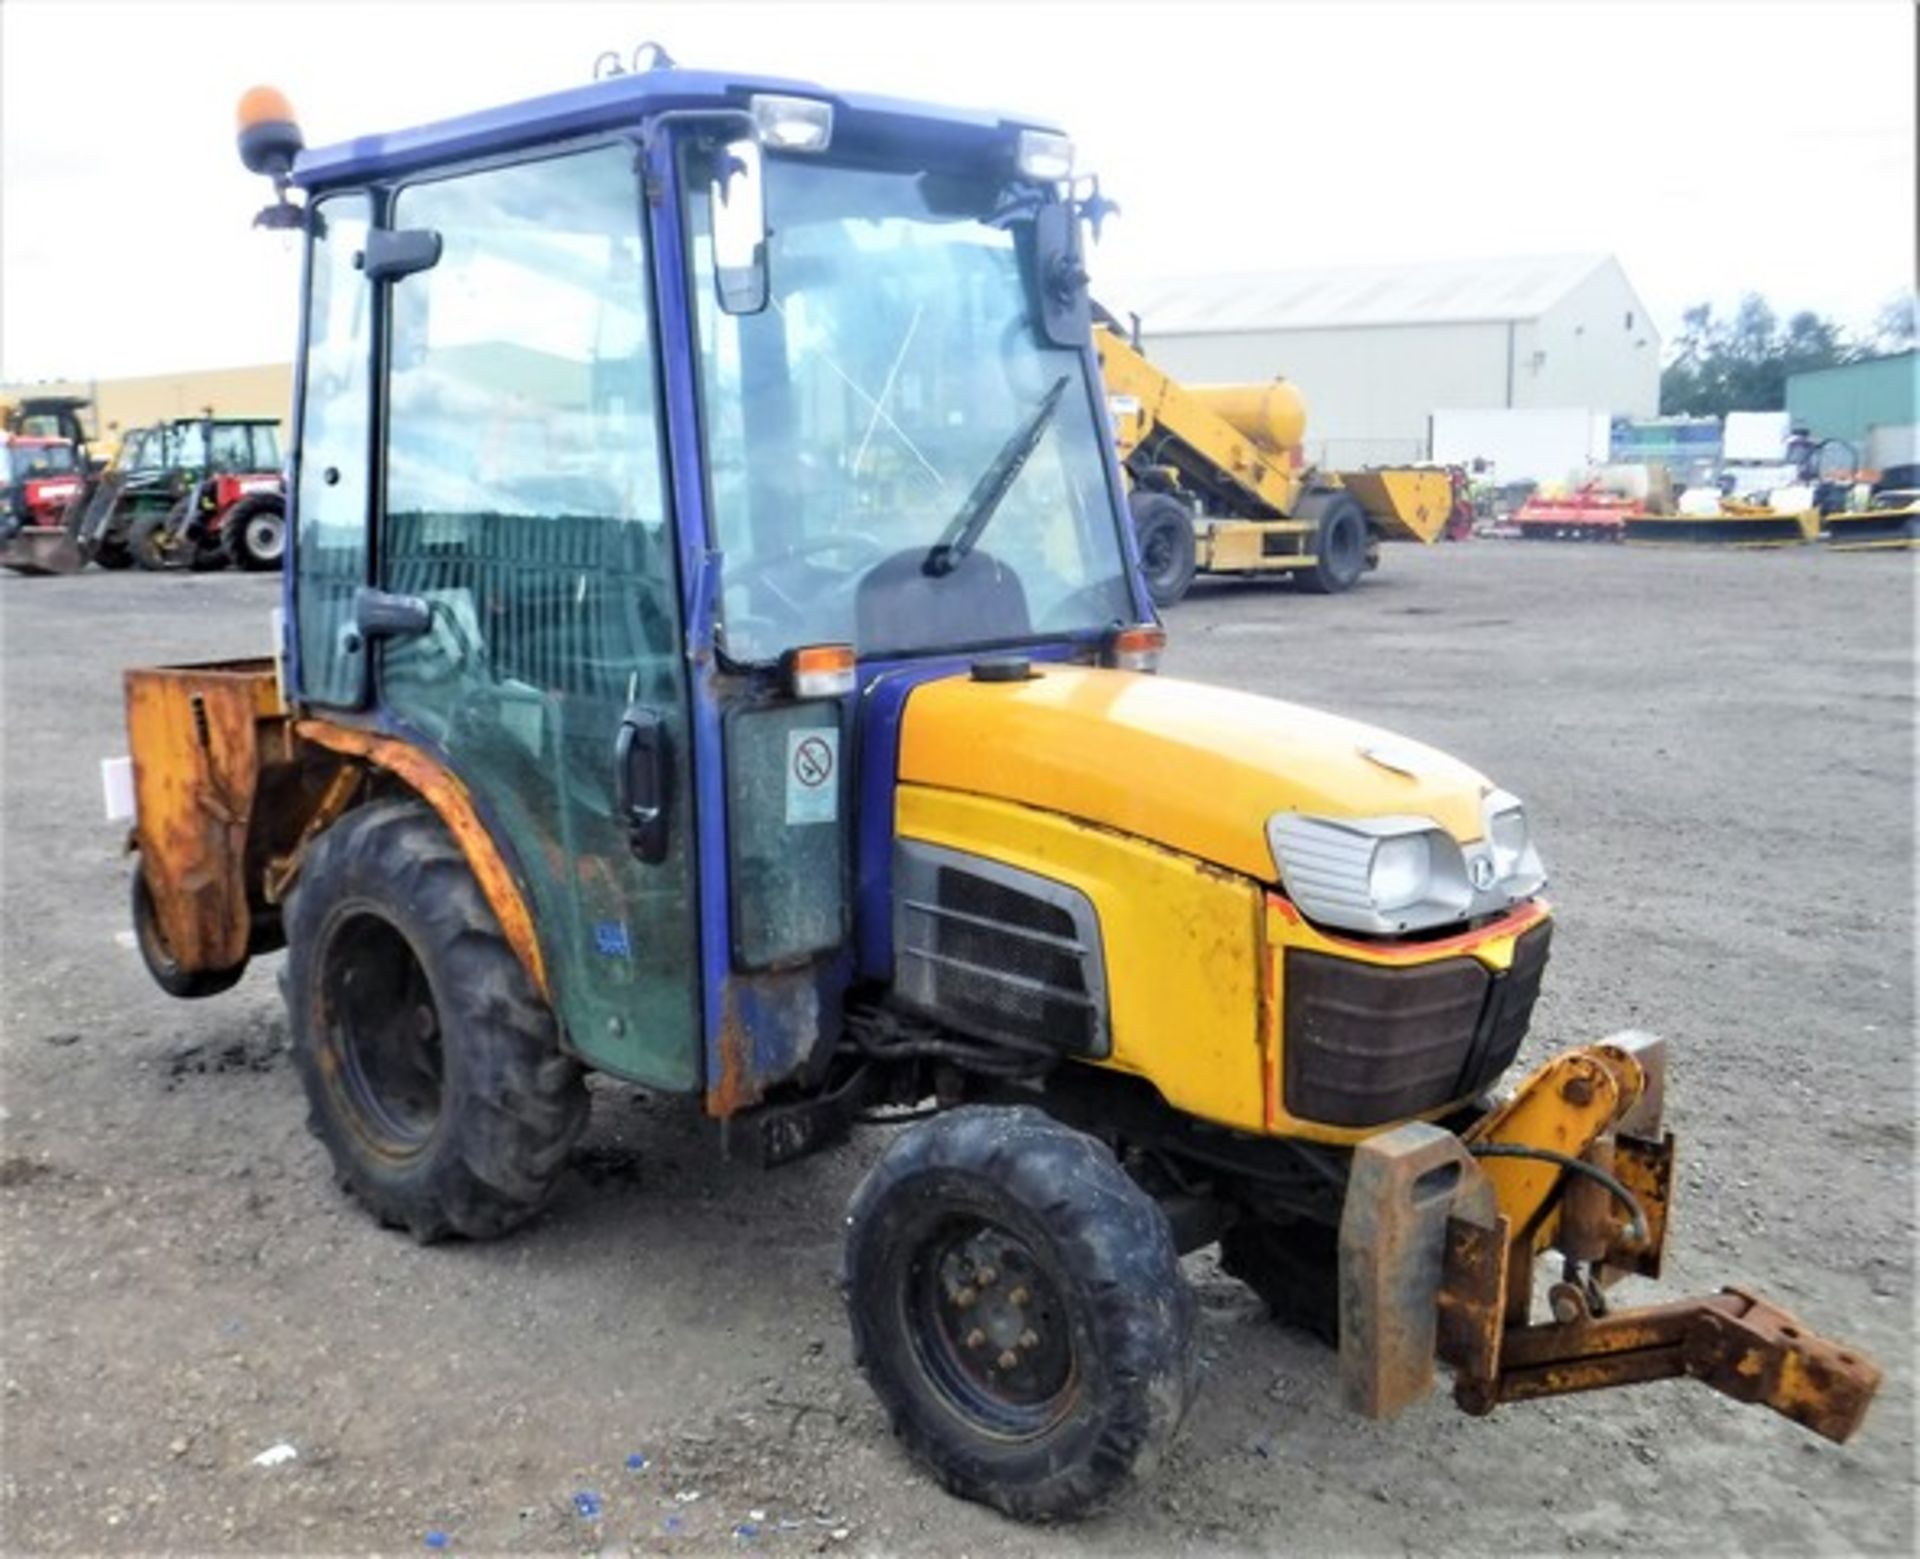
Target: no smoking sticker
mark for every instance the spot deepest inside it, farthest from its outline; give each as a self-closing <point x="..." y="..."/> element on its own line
<point x="813" y="778"/>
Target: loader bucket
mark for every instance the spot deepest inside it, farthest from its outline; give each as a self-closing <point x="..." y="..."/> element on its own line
<point x="1403" y="504"/>
<point x="41" y="549"/>
<point x="1761" y="528"/>
<point x="1888" y="525"/>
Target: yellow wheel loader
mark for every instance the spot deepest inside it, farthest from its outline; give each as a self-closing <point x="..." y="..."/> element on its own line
<point x="1219" y="483"/>
<point x="715" y="656"/>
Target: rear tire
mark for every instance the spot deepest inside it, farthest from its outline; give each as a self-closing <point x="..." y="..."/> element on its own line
<point x="432" y="1066"/>
<point x="1018" y="1307"/>
<point x="1340" y="544"/>
<point x="1163" y="530"/>
<point x="256" y="532"/>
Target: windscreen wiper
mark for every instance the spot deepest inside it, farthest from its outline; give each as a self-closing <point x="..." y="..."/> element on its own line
<point x="958" y="539"/>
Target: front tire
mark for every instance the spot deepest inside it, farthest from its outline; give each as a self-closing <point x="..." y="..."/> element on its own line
<point x="1018" y="1307"/>
<point x="113" y="554"/>
<point x="1163" y="531"/>
<point x="432" y="1066"/>
<point x="1293" y="1265"/>
<point x="154" y="545"/>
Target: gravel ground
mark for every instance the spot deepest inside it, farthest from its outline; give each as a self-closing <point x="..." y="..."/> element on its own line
<point x="1717" y="748"/>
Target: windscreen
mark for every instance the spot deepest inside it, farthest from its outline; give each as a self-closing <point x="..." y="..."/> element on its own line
<point x="31" y="461"/>
<point x="896" y="458"/>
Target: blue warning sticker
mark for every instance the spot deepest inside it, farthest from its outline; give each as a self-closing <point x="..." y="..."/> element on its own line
<point x="610" y="939"/>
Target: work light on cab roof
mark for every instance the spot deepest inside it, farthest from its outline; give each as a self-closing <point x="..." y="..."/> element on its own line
<point x="791" y="124"/>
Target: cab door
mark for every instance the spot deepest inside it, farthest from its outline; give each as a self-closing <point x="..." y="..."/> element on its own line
<point x="524" y="502"/>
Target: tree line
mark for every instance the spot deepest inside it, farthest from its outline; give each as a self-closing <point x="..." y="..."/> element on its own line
<point x="1742" y="363"/>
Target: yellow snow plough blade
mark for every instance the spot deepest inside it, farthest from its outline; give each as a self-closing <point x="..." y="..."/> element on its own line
<point x="1736" y="525"/>
<point x="1883" y="525"/>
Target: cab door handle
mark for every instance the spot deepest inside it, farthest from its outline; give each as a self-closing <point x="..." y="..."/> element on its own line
<point x="642" y="775"/>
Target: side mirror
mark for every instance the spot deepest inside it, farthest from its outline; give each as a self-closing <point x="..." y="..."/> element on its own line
<point x="393" y="252"/>
<point x="739" y="207"/>
<point x="1066" y="311"/>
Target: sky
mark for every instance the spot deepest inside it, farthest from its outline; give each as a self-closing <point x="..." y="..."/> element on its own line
<point x="1716" y="147"/>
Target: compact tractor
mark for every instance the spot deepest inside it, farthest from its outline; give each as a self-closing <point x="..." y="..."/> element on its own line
<point x="716" y="655"/>
<point x="45" y="468"/>
<point x="39" y="479"/>
<point x="217" y="498"/>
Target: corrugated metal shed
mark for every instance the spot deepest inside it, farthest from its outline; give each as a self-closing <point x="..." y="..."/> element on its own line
<point x="1845" y="402"/>
<point x="1439" y="292"/>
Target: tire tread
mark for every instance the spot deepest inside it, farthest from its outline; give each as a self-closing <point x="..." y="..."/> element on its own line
<point x="520" y="1104"/>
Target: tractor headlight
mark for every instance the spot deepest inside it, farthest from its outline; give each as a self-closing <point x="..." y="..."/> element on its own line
<point x="1389" y="875"/>
<point x="1401" y="873"/>
<point x="1517" y="869"/>
<point x="791" y="124"/>
<point x="1379" y="874"/>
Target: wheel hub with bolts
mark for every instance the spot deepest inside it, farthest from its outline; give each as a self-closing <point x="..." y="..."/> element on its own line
<point x="997" y="1318"/>
<point x="264" y="535"/>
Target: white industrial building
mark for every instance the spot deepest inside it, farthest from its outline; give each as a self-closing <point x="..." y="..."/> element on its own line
<point x="1377" y="349"/>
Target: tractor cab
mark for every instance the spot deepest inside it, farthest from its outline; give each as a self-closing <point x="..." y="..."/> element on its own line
<point x="50" y="417"/>
<point x="654" y="442"/>
<point x="39" y="477"/>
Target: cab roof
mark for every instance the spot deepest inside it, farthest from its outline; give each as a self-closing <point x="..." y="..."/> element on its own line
<point x="182" y="422"/>
<point x="624" y="100"/>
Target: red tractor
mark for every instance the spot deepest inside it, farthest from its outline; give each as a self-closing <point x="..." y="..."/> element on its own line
<point x="39" y="478"/>
<point x="232" y="504"/>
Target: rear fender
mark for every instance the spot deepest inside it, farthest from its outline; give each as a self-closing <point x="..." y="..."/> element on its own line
<point x="442" y="790"/>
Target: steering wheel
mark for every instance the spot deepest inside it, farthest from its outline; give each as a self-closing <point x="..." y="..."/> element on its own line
<point x="777" y="610"/>
<point x="866" y="550"/>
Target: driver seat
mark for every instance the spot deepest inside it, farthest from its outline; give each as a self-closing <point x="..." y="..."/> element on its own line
<point x="899" y="606"/>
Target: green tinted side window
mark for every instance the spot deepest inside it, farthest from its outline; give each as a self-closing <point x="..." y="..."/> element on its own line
<point x="331" y="536"/>
<point x="525" y="502"/>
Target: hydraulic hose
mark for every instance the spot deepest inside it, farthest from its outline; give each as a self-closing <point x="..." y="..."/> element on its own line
<point x="1578" y="1166"/>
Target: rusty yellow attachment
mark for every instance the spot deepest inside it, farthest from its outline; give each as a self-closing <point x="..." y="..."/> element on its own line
<point x="1407" y="503"/>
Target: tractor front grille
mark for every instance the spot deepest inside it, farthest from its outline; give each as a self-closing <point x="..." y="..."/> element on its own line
<point x="1369" y="1044"/>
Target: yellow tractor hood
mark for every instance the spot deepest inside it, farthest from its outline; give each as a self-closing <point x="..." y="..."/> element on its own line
<point x="1194" y="768"/>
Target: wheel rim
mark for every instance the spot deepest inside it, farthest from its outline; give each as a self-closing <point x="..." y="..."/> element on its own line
<point x="384" y="1028"/>
<point x="265" y="536"/>
<point x="990" y="1329"/>
<point x="157" y="542"/>
<point x="1157" y="555"/>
